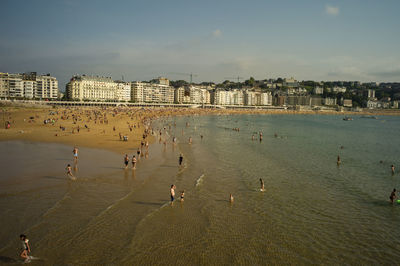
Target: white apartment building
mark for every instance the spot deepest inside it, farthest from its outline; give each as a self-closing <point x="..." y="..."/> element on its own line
<point x="137" y="89"/>
<point x="179" y="95"/>
<point x="123" y="93"/>
<point x="339" y="89"/>
<point x="329" y="101"/>
<point x="257" y="98"/>
<point x="371" y="94"/>
<point x="15" y="86"/>
<point x="92" y="88"/>
<point x="3" y="86"/>
<point x="198" y="95"/>
<point x="46" y="87"/>
<point x="143" y="92"/>
<point x="233" y="97"/>
<point x="318" y="90"/>
<point x="28" y="85"/>
<point x="29" y="88"/>
<point x="266" y="98"/>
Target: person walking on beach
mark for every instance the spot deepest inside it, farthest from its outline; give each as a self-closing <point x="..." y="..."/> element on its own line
<point x="126" y="160"/>
<point x="393" y="196"/>
<point x="262" y="185"/>
<point x="180" y="159"/>
<point x="172" y="192"/>
<point x="69" y="172"/>
<point x="75" y="152"/>
<point x="26" y="249"/>
<point x="133" y="162"/>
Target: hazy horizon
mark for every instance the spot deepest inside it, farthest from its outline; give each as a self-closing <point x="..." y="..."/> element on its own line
<point x="309" y="40"/>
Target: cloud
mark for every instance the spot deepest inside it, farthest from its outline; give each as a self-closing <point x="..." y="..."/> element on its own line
<point x="388" y="74"/>
<point x="332" y="10"/>
<point x="217" y="33"/>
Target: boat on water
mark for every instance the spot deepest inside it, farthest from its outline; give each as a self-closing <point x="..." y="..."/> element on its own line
<point x="347" y="118"/>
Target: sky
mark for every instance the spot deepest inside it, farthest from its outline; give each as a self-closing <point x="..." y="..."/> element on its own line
<point x="215" y="40"/>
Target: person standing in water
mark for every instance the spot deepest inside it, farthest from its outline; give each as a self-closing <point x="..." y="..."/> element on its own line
<point x="392" y="167"/>
<point x="180" y="159"/>
<point x="26" y="248"/>
<point x="133" y="162"/>
<point x="230" y="198"/>
<point x="338" y="160"/>
<point x="393" y="196"/>
<point x="182" y="195"/>
<point x="126" y="160"/>
<point x="172" y="192"/>
<point x="69" y="172"/>
<point x="262" y="185"/>
<point x="75" y="152"/>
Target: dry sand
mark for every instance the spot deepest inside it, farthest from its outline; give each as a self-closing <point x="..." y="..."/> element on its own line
<point x="27" y="123"/>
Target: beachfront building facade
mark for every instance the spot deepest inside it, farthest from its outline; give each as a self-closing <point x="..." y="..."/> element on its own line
<point x="95" y="88"/>
<point x="28" y="86"/>
<point x="197" y="95"/>
<point x="253" y="98"/>
<point x="231" y="97"/>
<point x="123" y="93"/>
<point x="179" y="95"/>
<point x="157" y="92"/>
<point x="330" y="101"/>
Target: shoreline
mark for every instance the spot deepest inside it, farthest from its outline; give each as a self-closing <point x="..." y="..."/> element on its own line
<point x="105" y="128"/>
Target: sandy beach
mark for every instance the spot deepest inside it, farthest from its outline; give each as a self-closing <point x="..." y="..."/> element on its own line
<point x="105" y="128"/>
<point x="122" y="216"/>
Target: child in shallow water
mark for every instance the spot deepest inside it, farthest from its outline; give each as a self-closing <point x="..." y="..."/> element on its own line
<point x="182" y="195"/>
<point x="26" y="248"/>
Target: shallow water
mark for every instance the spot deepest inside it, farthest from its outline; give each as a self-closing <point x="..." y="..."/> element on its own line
<point x="311" y="212"/>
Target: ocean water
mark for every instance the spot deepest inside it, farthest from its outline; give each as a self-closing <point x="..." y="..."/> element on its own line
<point x="311" y="212"/>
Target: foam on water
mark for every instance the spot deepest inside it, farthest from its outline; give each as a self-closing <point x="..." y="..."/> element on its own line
<point x="199" y="180"/>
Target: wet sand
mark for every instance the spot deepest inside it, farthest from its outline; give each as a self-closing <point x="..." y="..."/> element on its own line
<point x="89" y="221"/>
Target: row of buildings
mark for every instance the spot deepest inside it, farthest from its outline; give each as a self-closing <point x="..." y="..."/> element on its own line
<point x="94" y="88"/>
<point x="28" y="86"/>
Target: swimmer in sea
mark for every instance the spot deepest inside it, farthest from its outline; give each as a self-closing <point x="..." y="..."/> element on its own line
<point x="180" y="159"/>
<point x="262" y="185"/>
<point x="393" y="196"/>
<point x="126" y="160"/>
<point x="182" y="195"/>
<point x="133" y="162"/>
<point x="69" y="172"/>
<point x="230" y="198"/>
<point x="26" y="248"/>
